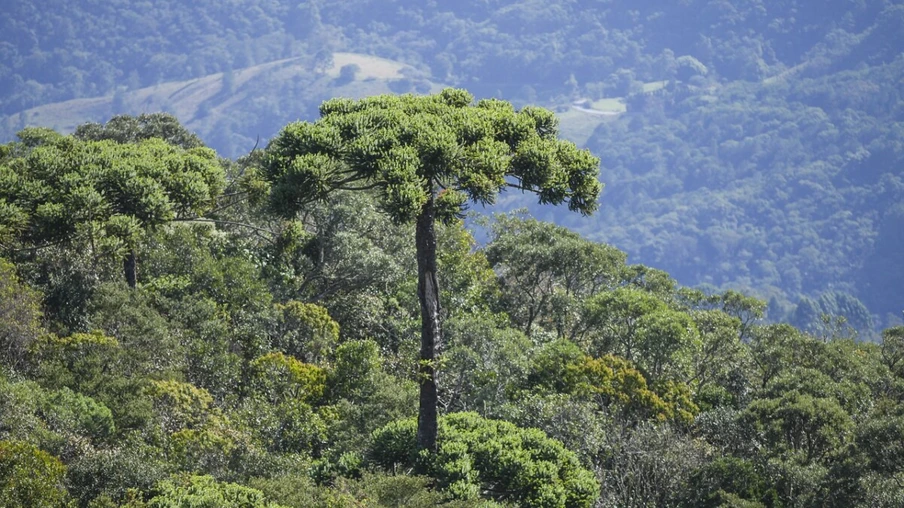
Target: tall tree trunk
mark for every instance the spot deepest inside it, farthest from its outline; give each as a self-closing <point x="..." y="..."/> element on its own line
<point x="428" y="294"/>
<point x="130" y="268"/>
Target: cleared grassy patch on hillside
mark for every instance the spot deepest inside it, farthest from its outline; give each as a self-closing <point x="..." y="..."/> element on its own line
<point x="577" y="126"/>
<point x="654" y="86"/>
<point x="610" y="105"/>
<point x="195" y="101"/>
<point x="370" y="67"/>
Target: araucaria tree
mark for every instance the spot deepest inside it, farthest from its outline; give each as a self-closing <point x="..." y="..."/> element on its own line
<point x="106" y="186"/>
<point x="428" y="157"/>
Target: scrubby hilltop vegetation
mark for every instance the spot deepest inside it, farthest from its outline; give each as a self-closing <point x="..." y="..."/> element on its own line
<point x="748" y="145"/>
<point x="169" y="339"/>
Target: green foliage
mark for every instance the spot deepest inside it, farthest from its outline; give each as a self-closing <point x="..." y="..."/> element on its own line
<point x="19" y="413"/>
<point x="75" y="360"/>
<point x="722" y="357"/>
<point x="30" y="477"/>
<point x="806" y="426"/>
<point x="729" y="481"/>
<point x="207" y="450"/>
<point x="104" y="195"/>
<point x="117" y="473"/>
<point x="278" y="377"/>
<point x="882" y="491"/>
<point x="130" y="129"/>
<point x="690" y="199"/>
<point x="574" y="420"/>
<point x="19" y="316"/>
<point x="69" y="412"/>
<point x="348" y="260"/>
<point x="355" y="369"/>
<point x="893" y="349"/>
<point x="815" y="103"/>
<point x="833" y="315"/>
<point x="505" y="462"/>
<point x="467" y="282"/>
<point x="352" y="421"/>
<point x="880" y="438"/>
<point x="648" y="465"/>
<point x="483" y="364"/>
<point x="403" y="145"/>
<point x="672" y="396"/>
<point x="545" y="271"/>
<point x="642" y="328"/>
<point x="372" y="490"/>
<point x="427" y="157"/>
<point x="197" y="259"/>
<point x="71" y="187"/>
<point x="138" y="326"/>
<point x="204" y="492"/>
<point x="95" y="364"/>
<point x="181" y="405"/>
<point x="774" y="347"/>
<point x="746" y="309"/>
<point x="291" y="426"/>
<point x="610" y="381"/>
<point x="305" y="330"/>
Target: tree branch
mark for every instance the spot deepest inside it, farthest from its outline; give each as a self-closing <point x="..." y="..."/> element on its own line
<point x="363" y="187"/>
<point x="228" y="222"/>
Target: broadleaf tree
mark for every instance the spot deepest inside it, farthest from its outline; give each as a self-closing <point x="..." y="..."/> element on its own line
<point x="427" y="158"/>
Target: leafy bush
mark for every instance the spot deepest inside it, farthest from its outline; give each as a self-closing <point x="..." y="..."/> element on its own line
<point x="481" y="457"/>
<point x="70" y="412"/>
<point x="306" y="331"/>
<point x="205" y="492"/>
<point x="279" y="377"/>
<point x="19" y="312"/>
<point x="30" y="477"/>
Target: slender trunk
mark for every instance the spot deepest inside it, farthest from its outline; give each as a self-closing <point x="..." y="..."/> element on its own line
<point x="428" y="294"/>
<point x="130" y="267"/>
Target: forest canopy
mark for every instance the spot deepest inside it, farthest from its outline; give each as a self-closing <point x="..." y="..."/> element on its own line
<point x="223" y="228"/>
<point x="270" y="358"/>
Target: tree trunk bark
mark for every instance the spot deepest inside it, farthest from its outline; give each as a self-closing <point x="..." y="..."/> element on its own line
<point x="130" y="268"/>
<point x="428" y="294"/>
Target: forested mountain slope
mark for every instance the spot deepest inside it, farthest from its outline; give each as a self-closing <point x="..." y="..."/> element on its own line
<point x="170" y="335"/>
<point x="793" y="186"/>
<point x="771" y="161"/>
<point x="235" y="108"/>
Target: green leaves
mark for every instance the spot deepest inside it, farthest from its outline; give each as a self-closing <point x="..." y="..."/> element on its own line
<point x="72" y="413"/>
<point x="802" y="424"/>
<point x="63" y="189"/>
<point x="412" y="147"/>
<point x="30" y="477"/>
<point x="19" y="316"/>
<point x="305" y="330"/>
<point x="545" y="271"/>
<point x="494" y="458"/>
<point x="278" y="377"/>
<point x="184" y="491"/>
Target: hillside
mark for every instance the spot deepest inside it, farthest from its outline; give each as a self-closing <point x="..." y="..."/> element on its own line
<point x="786" y="188"/>
<point x="208" y="103"/>
<point x="698" y="110"/>
<point x="181" y="329"/>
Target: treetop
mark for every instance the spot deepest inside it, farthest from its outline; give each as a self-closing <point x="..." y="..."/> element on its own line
<point x="445" y="146"/>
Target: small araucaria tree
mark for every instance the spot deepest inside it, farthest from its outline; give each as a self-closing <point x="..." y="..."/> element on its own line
<point x="428" y="157"/>
<point x="106" y="185"/>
